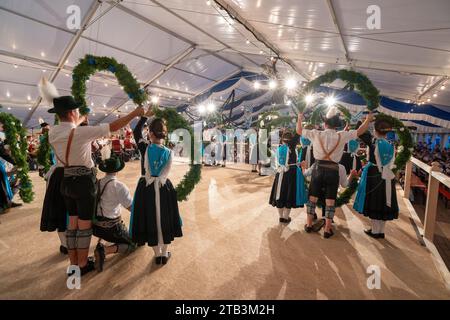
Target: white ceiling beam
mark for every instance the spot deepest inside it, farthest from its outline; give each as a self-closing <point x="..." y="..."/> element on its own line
<point x="375" y="65"/>
<point x="174" y="61"/>
<point x="68" y="50"/>
<point x="202" y="31"/>
<point x="96" y="41"/>
<point x="168" y="31"/>
<point x="259" y="36"/>
<point x="435" y="85"/>
<point x="338" y="29"/>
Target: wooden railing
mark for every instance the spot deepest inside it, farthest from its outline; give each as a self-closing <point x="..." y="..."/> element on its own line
<point x="435" y="177"/>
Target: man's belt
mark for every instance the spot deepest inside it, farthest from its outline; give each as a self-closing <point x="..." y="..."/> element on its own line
<point x="106" y="223"/>
<point x="79" y="171"/>
<point x="328" y="164"/>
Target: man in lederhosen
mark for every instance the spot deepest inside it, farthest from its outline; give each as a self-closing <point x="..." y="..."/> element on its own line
<point x="72" y="146"/>
<point x="328" y="146"/>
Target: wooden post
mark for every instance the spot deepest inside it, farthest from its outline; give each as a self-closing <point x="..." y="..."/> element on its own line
<point x="432" y="202"/>
<point x="408" y="173"/>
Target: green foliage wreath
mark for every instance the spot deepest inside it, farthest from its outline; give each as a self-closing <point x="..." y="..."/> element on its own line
<point x="360" y="82"/>
<point x="16" y="137"/>
<point x="90" y="64"/>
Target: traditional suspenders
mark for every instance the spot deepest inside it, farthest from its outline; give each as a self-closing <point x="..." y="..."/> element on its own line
<point x="100" y="194"/>
<point x="328" y="154"/>
<point x="69" y="143"/>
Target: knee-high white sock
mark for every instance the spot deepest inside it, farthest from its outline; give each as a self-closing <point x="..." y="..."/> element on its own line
<point x="164" y="249"/>
<point x="157" y="250"/>
<point x="280" y="212"/>
<point x="382" y="224"/>
<point x="286" y="213"/>
<point x="375" y="226"/>
<point x="62" y="238"/>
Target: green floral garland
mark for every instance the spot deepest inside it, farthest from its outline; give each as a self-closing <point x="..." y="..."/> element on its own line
<point x="360" y="82"/>
<point x="404" y="151"/>
<point x="44" y="152"/>
<point x="354" y="80"/>
<point x="193" y="176"/>
<point x="16" y="136"/>
<point x="89" y="65"/>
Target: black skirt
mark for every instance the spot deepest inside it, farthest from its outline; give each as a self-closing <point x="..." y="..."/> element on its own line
<point x="288" y="192"/>
<point x="375" y="202"/>
<point x="5" y="202"/>
<point x="54" y="212"/>
<point x="143" y="224"/>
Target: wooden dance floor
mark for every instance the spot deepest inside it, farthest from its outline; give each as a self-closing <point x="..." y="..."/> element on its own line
<point x="233" y="248"/>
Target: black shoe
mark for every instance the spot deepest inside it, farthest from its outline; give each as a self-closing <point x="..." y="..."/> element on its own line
<point x="283" y="220"/>
<point x="254" y="171"/>
<point x="90" y="266"/>
<point x="318" y="225"/>
<point x="63" y="250"/>
<point x="308" y="228"/>
<point x="374" y="235"/>
<point x="165" y="259"/>
<point x="100" y="256"/>
<point x="327" y="235"/>
<point x="158" y="260"/>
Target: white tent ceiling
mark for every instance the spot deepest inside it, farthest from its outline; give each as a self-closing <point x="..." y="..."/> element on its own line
<point x="184" y="47"/>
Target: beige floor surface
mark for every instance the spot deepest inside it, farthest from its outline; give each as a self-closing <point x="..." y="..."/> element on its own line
<point x="233" y="248"/>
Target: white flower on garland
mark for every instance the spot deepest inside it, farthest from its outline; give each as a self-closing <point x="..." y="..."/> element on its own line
<point x="400" y="148"/>
<point x="402" y="129"/>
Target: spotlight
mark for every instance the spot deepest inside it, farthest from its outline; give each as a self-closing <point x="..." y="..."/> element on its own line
<point x="201" y="109"/>
<point x="257" y="85"/>
<point x="272" y="84"/>
<point x="330" y="101"/>
<point x="291" y="84"/>
<point x="435" y="95"/>
<point x="247" y="42"/>
<point x="443" y="87"/>
<point x="155" y="99"/>
<point x="309" y="98"/>
<point x="211" y="107"/>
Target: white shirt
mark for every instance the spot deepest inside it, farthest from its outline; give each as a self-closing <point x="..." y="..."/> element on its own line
<point x="329" y="138"/>
<point x="80" y="150"/>
<point x="116" y="195"/>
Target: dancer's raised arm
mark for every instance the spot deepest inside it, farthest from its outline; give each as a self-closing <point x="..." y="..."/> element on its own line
<point x="365" y="125"/>
<point x="122" y="122"/>
<point x="299" y="124"/>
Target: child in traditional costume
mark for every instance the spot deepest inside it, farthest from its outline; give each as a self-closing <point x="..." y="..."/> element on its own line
<point x="328" y="148"/>
<point x="288" y="189"/>
<point x="376" y="197"/>
<point x="155" y="218"/>
<point x="112" y="195"/>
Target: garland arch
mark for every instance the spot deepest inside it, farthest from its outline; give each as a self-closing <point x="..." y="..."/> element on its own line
<point x="360" y="82"/>
<point x="16" y="136"/>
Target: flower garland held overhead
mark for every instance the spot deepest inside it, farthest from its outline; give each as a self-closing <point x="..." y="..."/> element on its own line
<point x="360" y="82"/>
<point x="89" y="65"/>
<point x="193" y="176"/>
<point x="17" y="140"/>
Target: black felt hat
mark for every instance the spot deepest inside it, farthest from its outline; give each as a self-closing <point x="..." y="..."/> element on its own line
<point x="44" y="124"/>
<point x="111" y="165"/>
<point x="64" y="103"/>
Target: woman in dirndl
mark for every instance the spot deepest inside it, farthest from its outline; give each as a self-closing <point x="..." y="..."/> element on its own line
<point x="288" y="189"/>
<point x="155" y="218"/>
<point x="376" y="197"/>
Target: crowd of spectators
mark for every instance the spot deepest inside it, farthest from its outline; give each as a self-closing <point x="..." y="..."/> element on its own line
<point x="429" y="154"/>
